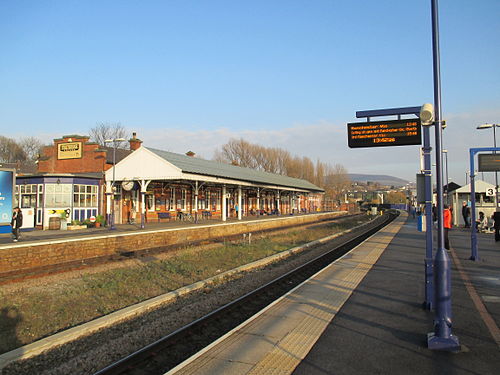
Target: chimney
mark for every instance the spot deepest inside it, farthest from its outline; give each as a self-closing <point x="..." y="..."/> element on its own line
<point x="134" y="142"/>
<point x="190" y="153"/>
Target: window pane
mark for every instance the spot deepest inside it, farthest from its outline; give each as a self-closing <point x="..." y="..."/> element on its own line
<point x="89" y="189"/>
<point x="76" y="201"/>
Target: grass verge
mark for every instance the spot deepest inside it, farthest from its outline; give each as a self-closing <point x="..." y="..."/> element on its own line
<point x="27" y="315"/>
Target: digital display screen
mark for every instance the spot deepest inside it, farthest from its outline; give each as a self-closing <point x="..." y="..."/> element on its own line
<point x="489" y="162"/>
<point x="384" y="133"/>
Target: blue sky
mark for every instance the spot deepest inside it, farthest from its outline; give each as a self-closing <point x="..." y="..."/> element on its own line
<point x="188" y="75"/>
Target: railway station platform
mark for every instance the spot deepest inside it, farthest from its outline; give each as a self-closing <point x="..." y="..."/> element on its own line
<point x="363" y="315"/>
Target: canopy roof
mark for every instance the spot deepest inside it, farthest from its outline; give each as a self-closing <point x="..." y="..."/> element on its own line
<point x="189" y="164"/>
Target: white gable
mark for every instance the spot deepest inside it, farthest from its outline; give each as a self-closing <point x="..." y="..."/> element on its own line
<point x="480" y="186"/>
<point x="143" y="164"/>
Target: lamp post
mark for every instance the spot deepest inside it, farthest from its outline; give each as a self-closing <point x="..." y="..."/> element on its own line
<point x="112" y="216"/>
<point x="442" y="337"/>
<point x="493" y="126"/>
<point x="445" y="152"/>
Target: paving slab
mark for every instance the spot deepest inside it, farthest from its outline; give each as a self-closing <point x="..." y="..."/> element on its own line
<point x="382" y="328"/>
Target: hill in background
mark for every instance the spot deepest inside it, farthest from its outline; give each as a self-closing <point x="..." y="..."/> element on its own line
<point x="382" y="179"/>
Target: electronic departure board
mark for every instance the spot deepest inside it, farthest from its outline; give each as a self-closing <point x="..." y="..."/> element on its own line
<point x="384" y="133"/>
<point x="489" y="162"/>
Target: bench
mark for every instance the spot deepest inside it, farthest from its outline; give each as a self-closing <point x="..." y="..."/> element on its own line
<point x="163" y="215"/>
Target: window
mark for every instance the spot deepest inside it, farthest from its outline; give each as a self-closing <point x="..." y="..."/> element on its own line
<point x="150" y="202"/>
<point x="171" y="201"/>
<point x="183" y="199"/>
<point x="85" y="195"/>
<point x="28" y="196"/>
<point x="58" y="195"/>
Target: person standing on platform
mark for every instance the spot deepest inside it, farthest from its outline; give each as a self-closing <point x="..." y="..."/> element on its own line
<point x="447" y="226"/>
<point x="16" y="223"/>
<point x="496" y="224"/>
<point x="466" y="214"/>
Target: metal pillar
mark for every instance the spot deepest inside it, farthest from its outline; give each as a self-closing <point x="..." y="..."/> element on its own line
<point x="473" y="234"/>
<point x="429" y="272"/>
<point x="224" y="205"/>
<point x="472" y="175"/>
<point x="239" y="203"/>
<point x="441" y="338"/>
<point x="108" y="203"/>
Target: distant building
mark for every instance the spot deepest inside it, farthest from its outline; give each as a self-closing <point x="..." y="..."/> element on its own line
<point x="75" y="177"/>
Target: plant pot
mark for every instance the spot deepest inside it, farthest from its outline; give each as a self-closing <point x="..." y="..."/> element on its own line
<point x="97" y="225"/>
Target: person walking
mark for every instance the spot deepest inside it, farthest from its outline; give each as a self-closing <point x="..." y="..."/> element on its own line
<point x="466" y="214"/>
<point x="496" y="224"/>
<point x="447" y="225"/>
<point x="16" y="222"/>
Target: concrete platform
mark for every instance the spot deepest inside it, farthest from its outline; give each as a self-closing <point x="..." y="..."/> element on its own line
<point x="345" y="322"/>
<point x="275" y="341"/>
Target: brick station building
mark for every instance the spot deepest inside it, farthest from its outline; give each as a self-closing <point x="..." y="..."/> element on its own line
<point x="77" y="177"/>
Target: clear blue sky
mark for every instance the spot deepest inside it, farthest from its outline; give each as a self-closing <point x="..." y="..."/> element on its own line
<point x="187" y="75"/>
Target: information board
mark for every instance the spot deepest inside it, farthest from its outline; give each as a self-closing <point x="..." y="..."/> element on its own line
<point x="489" y="162"/>
<point x="69" y="150"/>
<point x="6" y="195"/>
<point x="384" y="133"/>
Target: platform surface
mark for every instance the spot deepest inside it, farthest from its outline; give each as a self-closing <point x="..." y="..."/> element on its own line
<point x="363" y="315"/>
<point x="277" y="340"/>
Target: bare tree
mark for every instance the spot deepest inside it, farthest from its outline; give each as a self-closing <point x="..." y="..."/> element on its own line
<point x="11" y="151"/>
<point x="32" y="147"/>
<point x="106" y="130"/>
<point x="337" y="181"/>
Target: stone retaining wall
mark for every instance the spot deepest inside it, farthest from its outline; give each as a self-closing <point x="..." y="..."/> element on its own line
<point x="33" y="255"/>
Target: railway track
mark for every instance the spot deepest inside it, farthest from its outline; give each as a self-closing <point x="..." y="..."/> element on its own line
<point x="169" y="351"/>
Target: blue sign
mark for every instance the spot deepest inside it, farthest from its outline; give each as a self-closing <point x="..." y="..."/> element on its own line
<point x="6" y="195"/>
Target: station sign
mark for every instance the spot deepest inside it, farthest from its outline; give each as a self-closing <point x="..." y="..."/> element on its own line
<point x="69" y="150"/>
<point x="384" y="133"/>
<point x="489" y="162"/>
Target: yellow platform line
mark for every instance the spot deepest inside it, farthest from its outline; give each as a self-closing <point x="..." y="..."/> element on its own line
<point x="299" y="318"/>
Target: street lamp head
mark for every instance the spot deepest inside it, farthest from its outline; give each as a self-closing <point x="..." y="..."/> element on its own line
<point x="120" y="140"/>
<point x="486" y="126"/>
<point x="108" y="140"/>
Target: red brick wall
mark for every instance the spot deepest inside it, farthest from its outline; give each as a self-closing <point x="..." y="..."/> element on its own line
<point x="92" y="160"/>
<point x="25" y="256"/>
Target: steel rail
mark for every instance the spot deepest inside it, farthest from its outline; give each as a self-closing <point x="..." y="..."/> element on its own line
<point x="129" y="364"/>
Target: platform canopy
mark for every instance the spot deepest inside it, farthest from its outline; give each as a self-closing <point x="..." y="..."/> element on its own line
<point x="152" y="164"/>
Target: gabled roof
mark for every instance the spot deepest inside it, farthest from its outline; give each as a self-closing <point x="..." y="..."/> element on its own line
<point x="480" y="186"/>
<point x="189" y="164"/>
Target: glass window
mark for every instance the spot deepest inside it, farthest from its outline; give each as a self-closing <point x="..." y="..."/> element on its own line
<point x="150" y="203"/>
<point x="58" y="195"/>
<point x="85" y="195"/>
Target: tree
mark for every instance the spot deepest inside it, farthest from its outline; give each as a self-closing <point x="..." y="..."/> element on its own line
<point x="11" y="151"/>
<point x="32" y="147"/>
<point x="104" y="130"/>
<point x="334" y="180"/>
<point x="337" y="181"/>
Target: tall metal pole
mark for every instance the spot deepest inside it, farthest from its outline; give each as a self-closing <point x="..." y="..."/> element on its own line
<point x="112" y="227"/>
<point x="429" y="274"/>
<point x="474" y="254"/>
<point x="496" y="172"/>
<point x="446" y="178"/>
<point x="441" y="338"/>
